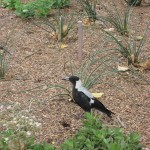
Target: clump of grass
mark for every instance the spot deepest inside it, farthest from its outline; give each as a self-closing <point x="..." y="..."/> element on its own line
<point x="91" y="71"/>
<point x="131" y="48"/>
<point x="90" y="8"/>
<point x="115" y="18"/>
<point x="60" y="26"/>
<point x="133" y="2"/>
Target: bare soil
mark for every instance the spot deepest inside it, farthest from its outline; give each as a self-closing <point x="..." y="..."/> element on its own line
<point x="37" y="61"/>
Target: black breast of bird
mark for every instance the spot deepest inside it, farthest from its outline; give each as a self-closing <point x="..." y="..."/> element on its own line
<point x="81" y="99"/>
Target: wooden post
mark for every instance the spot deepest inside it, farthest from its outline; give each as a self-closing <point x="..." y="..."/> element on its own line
<point x="80" y="40"/>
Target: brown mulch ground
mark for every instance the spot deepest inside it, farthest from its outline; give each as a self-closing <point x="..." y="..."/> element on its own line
<point x="36" y="61"/>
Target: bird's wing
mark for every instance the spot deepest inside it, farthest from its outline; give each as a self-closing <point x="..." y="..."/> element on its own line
<point x="86" y="92"/>
<point x="98" y="105"/>
<point x="83" y="101"/>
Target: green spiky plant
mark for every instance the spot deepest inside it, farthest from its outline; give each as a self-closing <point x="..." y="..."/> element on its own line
<point x="115" y="18"/>
<point x="90" y="8"/>
<point x="59" y="25"/>
<point x="90" y="72"/>
<point x="133" y="2"/>
<point x="130" y="49"/>
<point x="63" y="29"/>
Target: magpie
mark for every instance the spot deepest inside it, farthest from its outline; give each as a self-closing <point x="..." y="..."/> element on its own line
<point x="84" y="98"/>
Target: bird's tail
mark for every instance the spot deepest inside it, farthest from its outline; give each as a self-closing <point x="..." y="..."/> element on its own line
<point x="99" y="106"/>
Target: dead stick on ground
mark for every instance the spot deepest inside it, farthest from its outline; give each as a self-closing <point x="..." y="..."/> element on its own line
<point x="122" y="124"/>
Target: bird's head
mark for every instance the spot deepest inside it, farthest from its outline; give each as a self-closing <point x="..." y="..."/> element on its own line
<point x="72" y="79"/>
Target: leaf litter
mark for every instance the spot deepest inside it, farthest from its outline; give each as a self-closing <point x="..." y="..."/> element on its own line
<point x="62" y="119"/>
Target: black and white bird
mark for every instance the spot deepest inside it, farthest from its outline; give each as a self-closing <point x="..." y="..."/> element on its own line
<point x="84" y="98"/>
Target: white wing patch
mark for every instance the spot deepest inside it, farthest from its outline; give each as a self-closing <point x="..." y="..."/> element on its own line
<point x="91" y="101"/>
<point x="80" y="88"/>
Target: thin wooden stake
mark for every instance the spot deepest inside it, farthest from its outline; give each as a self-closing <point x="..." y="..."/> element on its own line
<point x="80" y="40"/>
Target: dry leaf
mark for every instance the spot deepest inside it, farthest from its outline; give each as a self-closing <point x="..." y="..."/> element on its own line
<point x="65" y="27"/>
<point x="138" y="38"/>
<point x="97" y="95"/>
<point x="131" y="31"/>
<point x="55" y="35"/>
<point x="51" y="46"/>
<point x="70" y="99"/>
<point x="86" y="22"/>
<point x="122" y="68"/>
<point x="143" y="65"/>
<point x="44" y="87"/>
<point x="53" y="142"/>
<point x="133" y="58"/>
<point x="147" y="64"/>
<point x="63" y="46"/>
<point x="109" y="30"/>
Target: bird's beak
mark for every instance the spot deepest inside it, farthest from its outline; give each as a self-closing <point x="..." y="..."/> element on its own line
<point x="66" y="78"/>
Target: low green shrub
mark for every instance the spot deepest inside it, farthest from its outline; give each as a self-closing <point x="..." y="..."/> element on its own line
<point x="92" y="136"/>
<point x="43" y="146"/>
<point x="60" y="3"/>
<point x="19" y="130"/>
<point x="42" y="7"/>
<point x="9" y="3"/>
<point x="38" y="8"/>
<point x="9" y="140"/>
<point x="24" y="10"/>
<point x="95" y="136"/>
